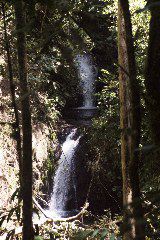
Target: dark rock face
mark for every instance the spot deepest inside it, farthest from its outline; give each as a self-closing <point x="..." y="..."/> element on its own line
<point x="81" y="113"/>
<point x="83" y="174"/>
<point x="80" y="184"/>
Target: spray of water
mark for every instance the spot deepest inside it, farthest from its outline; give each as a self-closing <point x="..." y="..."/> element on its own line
<point x="65" y="179"/>
<point x="87" y="74"/>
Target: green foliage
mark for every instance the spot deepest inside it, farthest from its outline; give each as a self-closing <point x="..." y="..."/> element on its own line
<point x="38" y="238"/>
<point x="100" y="233"/>
<point x="56" y="32"/>
<point x="149" y="6"/>
<point x="82" y="235"/>
<point x="100" y="229"/>
<point x="15" y="211"/>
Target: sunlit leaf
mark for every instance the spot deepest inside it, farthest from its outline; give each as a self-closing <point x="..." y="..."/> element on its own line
<point x="148" y="7"/>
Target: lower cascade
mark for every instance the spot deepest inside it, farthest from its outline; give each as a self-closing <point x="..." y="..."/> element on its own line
<point x="63" y="201"/>
<point x="66" y="196"/>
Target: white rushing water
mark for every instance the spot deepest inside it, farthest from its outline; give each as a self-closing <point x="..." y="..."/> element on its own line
<point x="64" y="197"/>
<point x="64" y="189"/>
<point x="87" y="74"/>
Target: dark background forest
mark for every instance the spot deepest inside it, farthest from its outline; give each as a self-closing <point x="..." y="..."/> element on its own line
<point x="38" y="87"/>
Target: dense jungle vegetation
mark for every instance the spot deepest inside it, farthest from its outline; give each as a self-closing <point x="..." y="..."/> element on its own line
<point x="38" y="83"/>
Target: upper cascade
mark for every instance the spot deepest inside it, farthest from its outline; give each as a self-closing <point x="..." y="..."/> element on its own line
<point x="87" y="73"/>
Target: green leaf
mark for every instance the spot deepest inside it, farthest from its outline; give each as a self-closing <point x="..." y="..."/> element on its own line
<point x="104" y="234"/>
<point x="95" y="233"/>
<point x="82" y="235"/>
<point x="112" y="237"/>
<point x="38" y="238"/>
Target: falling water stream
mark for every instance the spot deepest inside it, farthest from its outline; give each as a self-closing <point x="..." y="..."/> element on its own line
<point x="63" y="200"/>
<point x="64" y="191"/>
<point x="87" y="74"/>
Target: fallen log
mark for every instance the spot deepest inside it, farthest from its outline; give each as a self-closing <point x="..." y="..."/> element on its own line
<point x="69" y="219"/>
<point x="47" y="219"/>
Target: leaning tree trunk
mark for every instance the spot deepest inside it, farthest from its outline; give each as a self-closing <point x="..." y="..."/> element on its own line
<point x="130" y="122"/>
<point x="12" y="89"/>
<point x="26" y="122"/>
<point x="152" y="77"/>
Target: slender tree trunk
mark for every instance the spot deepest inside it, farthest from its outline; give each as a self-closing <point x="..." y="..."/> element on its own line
<point x="130" y="122"/>
<point x="152" y="77"/>
<point x="26" y="122"/>
<point x="12" y="89"/>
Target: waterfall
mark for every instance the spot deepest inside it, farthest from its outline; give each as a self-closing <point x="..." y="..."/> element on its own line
<point x="87" y="74"/>
<point x="64" y="199"/>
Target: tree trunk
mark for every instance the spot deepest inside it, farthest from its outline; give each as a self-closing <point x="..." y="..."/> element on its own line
<point x="152" y="77"/>
<point x="26" y="122"/>
<point x="130" y="122"/>
<point x="12" y="89"/>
